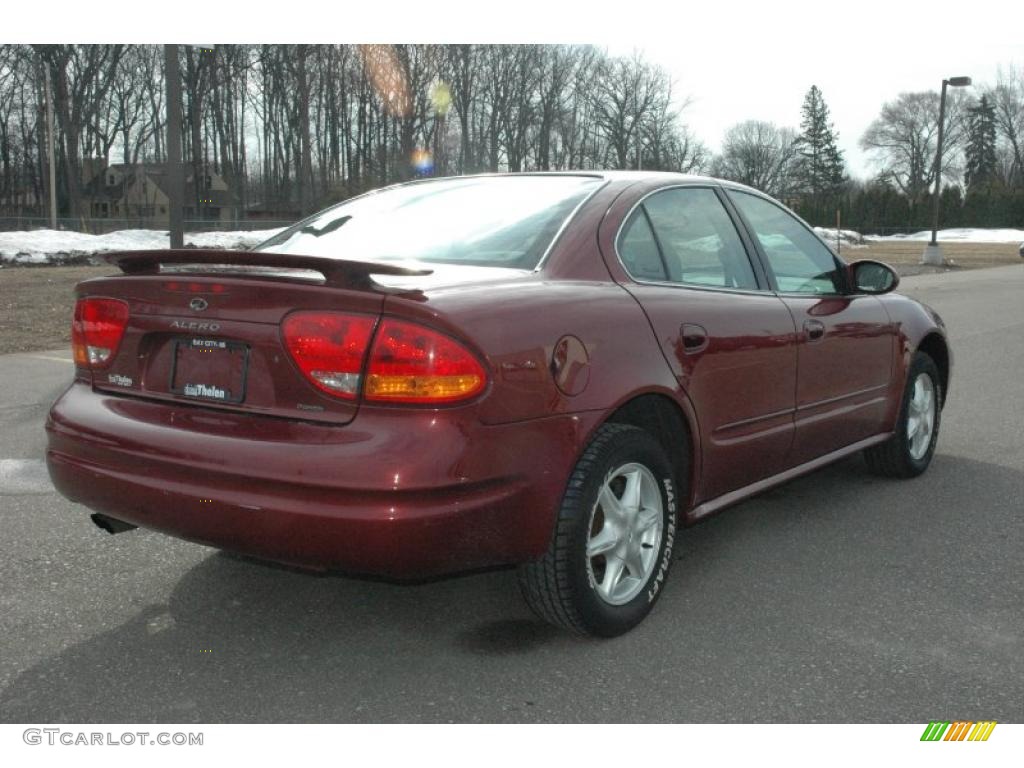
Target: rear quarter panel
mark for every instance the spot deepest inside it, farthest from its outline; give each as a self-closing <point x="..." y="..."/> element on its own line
<point x="516" y="327"/>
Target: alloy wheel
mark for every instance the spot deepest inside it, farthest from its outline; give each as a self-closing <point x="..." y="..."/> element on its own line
<point x="921" y="416"/>
<point x="626" y="526"/>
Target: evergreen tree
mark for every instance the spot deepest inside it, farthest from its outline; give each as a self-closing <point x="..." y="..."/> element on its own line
<point x="821" y="169"/>
<point x="981" y="145"/>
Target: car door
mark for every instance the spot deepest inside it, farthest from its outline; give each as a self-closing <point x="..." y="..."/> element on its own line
<point x="729" y="340"/>
<point x="845" y="340"/>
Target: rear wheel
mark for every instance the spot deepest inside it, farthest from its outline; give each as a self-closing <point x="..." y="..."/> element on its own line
<point x="613" y="540"/>
<point x="909" y="451"/>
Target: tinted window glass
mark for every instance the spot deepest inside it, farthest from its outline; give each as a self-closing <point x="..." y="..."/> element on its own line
<point x="499" y="221"/>
<point x="699" y="244"/>
<point x="801" y="263"/>
<point x="639" y="250"/>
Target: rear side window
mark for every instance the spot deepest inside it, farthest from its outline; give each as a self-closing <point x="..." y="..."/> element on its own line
<point x="639" y="250"/>
<point x="800" y="262"/>
<point x="693" y="238"/>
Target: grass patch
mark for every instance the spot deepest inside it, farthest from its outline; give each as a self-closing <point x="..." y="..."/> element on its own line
<point x="36" y="303"/>
<point x="905" y="256"/>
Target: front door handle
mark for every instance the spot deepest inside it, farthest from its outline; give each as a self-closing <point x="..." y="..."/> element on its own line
<point x="695" y="338"/>
<point x="814" y="329"/>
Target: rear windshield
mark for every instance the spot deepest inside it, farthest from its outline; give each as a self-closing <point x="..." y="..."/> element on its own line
<point x="495" y="221"/>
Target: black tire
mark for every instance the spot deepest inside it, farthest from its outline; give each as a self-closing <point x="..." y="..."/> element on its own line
<point x="561" y="586"/>
<point x="893" y="458"/>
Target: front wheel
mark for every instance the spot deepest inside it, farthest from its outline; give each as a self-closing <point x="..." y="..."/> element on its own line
<point x="613" y="540"/>
<point x="909" y="451"/>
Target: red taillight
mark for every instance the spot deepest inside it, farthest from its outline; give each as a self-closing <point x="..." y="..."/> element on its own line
<point x="413" y="364"/>
<point x="97" y="330"/>
<point x="408" y="363"/>
<point x="329" y="348"/>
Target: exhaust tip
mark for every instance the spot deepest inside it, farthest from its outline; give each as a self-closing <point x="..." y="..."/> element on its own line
<point x="111" y="524"/>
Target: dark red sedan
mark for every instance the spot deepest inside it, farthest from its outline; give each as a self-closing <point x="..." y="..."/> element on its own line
<point x="547" y="370"/>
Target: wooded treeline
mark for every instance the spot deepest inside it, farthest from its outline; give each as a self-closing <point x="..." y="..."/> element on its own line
<point x="982" y="173"/>
<point x="981" y="176"/>
<point x="291" y="128"/>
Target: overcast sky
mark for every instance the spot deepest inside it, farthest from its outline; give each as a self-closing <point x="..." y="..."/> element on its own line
<point x="736" y="59"/>
<point x="854" y="86"/>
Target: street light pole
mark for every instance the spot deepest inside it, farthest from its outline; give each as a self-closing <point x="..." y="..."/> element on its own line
<point x="932" y="252"/>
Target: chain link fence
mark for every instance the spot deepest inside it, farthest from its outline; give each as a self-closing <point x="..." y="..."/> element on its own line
<point x="103" y="226"/>
<point x="885" y="231"/>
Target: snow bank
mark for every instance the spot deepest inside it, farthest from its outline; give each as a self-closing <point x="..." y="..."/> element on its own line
<point x="848" y="236"/>
<point x="961" y="235"/>
<point x="43" y="246"/>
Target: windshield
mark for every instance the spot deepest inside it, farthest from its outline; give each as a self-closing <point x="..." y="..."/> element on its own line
<point x="493" y="221"/>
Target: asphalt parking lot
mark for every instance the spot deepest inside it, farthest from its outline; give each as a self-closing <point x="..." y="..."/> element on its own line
<point x="840" y="597"/>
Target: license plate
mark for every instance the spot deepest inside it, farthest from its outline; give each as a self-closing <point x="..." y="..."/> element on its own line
<point x="210" y="369"/>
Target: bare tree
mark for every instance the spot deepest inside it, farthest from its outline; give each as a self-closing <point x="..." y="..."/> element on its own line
<point x="460" y="67"/>
<point x="1008" y="99"/>
<point x="298" y="125"/>
<point x="577" y="130"/>
<point x="903" y="141"/>
<point x="627" y="91"/>
<point x="82" y="77"/>
<point x="557" y="66"/>
<point x="758" y="154"/>
<point x="665" y="143"/>
<point x="9" y="74"/>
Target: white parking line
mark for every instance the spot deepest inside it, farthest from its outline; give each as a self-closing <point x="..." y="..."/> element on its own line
<point x="24" y="476"/>
<point x="48" y="357"/>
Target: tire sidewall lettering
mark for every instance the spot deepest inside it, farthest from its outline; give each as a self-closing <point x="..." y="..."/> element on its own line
<point x="670" y="538"/>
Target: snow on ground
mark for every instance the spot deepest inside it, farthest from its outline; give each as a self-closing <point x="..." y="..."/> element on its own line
<point x="849" y="236"/>
<point x="962" y="235"/>
<point x="42" y="246"/>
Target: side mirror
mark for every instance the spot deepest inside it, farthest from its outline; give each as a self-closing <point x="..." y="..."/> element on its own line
<point x="873" y="277"/>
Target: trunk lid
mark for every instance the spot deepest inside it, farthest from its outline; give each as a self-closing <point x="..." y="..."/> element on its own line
<point x="204" y="327"/>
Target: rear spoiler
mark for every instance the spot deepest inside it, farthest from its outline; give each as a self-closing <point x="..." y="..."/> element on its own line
<point x="336" y="272"/>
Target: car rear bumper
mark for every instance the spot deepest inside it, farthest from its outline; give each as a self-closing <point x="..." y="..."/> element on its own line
<point x="395" y="493"/>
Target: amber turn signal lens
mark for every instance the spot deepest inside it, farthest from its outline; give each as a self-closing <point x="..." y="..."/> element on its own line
<point x="413" y="364"/>
<point x="421" y="388"/>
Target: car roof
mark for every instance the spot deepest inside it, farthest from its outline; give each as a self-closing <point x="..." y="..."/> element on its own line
<point x="667" y="177"/>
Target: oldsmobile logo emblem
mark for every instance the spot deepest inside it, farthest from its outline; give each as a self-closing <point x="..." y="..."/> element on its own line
<point x="198" y="304"/>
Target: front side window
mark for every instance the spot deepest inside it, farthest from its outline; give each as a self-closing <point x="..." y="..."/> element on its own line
<point x="493" y="221"/>
<point x="693" y="241"/>
<point x="800" y="262"/>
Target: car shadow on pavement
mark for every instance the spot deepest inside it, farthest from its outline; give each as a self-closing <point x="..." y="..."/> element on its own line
<point x="240" y="642"/>
<point x="240" y="639"/>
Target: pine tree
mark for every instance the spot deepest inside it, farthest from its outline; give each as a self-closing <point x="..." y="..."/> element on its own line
<point x="821" y="169"/>
<point x="981" y="145"/>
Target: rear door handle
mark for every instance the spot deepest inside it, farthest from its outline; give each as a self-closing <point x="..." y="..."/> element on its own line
<point x="814" y="329"/>
<point x="695" y="338"/>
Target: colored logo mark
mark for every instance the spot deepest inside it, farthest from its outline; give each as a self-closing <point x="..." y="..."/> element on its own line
<point x="961" y="730"/>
